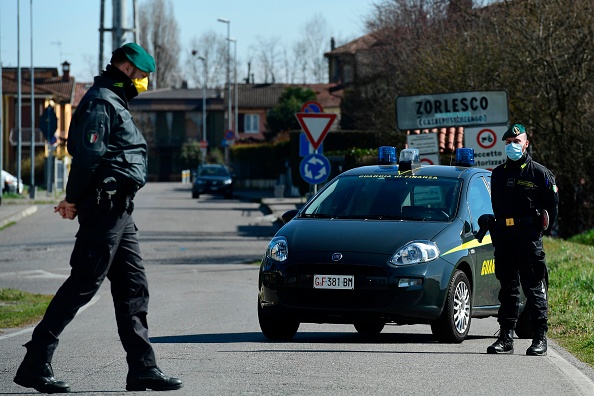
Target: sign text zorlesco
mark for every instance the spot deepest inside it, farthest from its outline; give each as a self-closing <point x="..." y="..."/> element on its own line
<point x="452" y="109"/>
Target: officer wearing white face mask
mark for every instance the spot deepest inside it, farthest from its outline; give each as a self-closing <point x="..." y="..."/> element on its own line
<point x="109" y="160"/>
<point x="525" y="199"/>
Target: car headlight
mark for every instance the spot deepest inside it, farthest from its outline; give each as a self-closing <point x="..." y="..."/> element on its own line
<point x="200" y="181"/>
<point x="277" y="249"/>
<point x="228" y="181"/>
<point x="414" y="253"/>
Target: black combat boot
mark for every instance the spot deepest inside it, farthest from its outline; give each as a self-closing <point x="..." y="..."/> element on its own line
<point x="504" y="343"/>
<point x="39" y="376"/>
<point x="151" y="378"/>
<point x="539" y="344"/>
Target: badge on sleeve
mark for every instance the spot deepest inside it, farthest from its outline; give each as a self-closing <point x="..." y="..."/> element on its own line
<point x="92" y="137"/>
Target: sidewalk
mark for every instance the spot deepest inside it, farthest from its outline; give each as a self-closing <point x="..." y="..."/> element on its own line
<point x="11" y="212"/>
<point x="273" y="208"/>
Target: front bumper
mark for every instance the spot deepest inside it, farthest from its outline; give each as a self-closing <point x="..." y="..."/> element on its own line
<point x="379" y="290"/>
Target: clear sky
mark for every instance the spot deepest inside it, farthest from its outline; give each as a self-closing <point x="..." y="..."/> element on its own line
<point x="69" y="29"/>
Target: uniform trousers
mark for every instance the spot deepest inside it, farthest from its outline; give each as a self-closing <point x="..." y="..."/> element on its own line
<point x="106" y="246"/>
<point x="520" y="261"/>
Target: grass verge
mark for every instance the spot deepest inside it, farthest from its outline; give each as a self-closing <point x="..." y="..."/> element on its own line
<point x="571" y="296"/>
<point x="19" y="308"/>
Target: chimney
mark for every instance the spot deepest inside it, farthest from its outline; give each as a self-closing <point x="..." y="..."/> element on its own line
<point x="65" y="71"/>
<point x="332" y="44"/>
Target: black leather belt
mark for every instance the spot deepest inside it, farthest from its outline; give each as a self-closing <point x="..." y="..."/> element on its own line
<point x="513" y="221"/>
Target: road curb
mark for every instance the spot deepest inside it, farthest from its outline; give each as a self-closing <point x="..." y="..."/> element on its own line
<point x="29" y="210"/>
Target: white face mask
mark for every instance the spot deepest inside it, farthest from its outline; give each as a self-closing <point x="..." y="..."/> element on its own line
<point x="513" y="151"/>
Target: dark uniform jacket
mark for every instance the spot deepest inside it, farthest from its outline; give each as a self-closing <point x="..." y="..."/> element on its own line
<point x="520" y="190"/>
<point x="103" y="138"/>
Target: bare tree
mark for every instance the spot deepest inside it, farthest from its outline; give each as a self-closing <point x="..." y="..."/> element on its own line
<point x="159" y="34"/>
<point x="267" y="53"/>
<point x="317" y="39"/>
<point x="213" y="48"/>
<point x="540" y="51"/>
<point x="300" y="59"/>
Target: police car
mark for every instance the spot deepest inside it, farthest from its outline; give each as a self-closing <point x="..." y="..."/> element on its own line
<point x="386" y="244"/>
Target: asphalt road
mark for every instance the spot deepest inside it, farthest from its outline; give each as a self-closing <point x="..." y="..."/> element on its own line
<point x="199" y="257"/>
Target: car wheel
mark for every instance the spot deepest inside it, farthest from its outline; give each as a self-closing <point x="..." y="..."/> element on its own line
<point x="276" y="327"/>
<point x="195" y="195"/>
<point x="454" y="322"/>
<point x="369" y="327"/>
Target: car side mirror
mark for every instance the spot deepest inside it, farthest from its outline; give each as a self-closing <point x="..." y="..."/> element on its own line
<point x="289" y="215"/>
<point x="467" y="227"/>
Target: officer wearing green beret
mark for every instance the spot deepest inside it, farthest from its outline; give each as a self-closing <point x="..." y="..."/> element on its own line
<point x="109" y="166"/>
<point x="524" y="199"/>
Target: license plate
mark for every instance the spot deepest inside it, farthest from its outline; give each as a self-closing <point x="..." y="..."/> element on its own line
<point x="346" y="282"/>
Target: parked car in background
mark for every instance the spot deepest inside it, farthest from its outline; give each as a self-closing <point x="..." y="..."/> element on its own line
<point x="10" y="184"/>
<point x="213" y="179"/>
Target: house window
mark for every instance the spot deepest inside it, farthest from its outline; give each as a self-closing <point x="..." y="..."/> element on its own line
<point x="251" y="123"/>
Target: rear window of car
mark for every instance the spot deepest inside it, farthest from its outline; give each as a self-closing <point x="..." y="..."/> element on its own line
<point x="388" y="197"/>
<point x="213" y="171"/>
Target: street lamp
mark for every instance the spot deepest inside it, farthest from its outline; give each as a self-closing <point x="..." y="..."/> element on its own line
<point x="228" y="22"/>
<point x="203" y="59"/>
<point x="235" y="95"/>
<point x="203" y="149"/>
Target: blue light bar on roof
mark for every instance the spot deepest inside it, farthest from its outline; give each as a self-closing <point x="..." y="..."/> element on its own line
<point x="465" y="157"/>
<point x="386" y="155"/>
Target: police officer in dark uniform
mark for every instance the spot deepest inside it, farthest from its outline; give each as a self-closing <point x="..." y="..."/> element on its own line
<point x="109" y="160"/>
<point x="524" y="197"/>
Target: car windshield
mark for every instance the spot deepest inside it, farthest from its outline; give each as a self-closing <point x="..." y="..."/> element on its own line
<point x="213" y="171"/>
<point x="387" y="197"/>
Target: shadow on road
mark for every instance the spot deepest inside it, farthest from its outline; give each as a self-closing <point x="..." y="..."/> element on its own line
<point x="303" y="337"/>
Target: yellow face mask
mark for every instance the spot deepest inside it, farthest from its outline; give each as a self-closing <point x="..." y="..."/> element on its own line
<point x="141" y="84"/>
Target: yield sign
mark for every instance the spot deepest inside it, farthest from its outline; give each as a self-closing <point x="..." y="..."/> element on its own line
<point x="315" y="126"/>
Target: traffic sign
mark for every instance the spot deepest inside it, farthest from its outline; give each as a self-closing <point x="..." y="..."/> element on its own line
<point x="312" y="107"/>
<point x="314" y="168"/>
<point x="452" y="109"/>
<point x="204" y="144"/>
<point x="305" y="147"/>
<point x="229" y="135"/>
<point x="315" y="126"/>
<point x="489" y="149"/>
<point x="48" y="123"/>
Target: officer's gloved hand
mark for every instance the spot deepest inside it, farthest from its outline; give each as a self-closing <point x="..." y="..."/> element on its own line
<point x="485" y="222"/>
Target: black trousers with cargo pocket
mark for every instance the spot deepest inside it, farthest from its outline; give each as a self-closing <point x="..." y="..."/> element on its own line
<point x="106" y="246"/>
<point x="520" y="262"/>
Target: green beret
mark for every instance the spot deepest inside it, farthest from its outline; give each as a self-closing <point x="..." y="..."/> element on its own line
<point x="139" y="57"/>
<point x="513" y="131"/>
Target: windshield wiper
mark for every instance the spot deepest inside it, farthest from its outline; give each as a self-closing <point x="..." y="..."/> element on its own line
<point x="317" y="215"/>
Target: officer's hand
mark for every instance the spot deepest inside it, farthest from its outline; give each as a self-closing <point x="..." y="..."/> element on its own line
<point x="67" y="210"/>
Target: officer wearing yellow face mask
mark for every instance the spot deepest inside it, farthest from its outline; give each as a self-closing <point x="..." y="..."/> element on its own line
<point x="109" y="160"/>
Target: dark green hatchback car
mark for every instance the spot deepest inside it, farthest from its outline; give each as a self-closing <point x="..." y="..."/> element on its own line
<point x="381" y="245"/>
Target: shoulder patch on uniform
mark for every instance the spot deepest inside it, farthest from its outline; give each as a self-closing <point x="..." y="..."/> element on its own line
<point x="554" y="188"/>
<point x="92" y="137"/>
<point x="118" y="84"/>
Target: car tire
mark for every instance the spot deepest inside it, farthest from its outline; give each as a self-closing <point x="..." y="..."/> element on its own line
<point x="453" y="324"/>
<point x="195" y="195"/>
<point x="276" y="327"/>
<point x="369" y="327"/>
